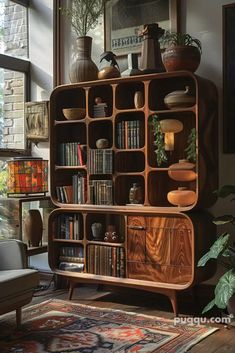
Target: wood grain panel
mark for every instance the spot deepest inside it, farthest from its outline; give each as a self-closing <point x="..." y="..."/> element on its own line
<point x="136" y="239"/>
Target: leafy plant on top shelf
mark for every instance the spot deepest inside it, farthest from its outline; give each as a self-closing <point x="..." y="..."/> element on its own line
<point x="83" y="15"/>
<point x="191" y="150"/>
<point x="224" y="252"/>
<point x="178" y="39"/>
<point x="158" y="140"/>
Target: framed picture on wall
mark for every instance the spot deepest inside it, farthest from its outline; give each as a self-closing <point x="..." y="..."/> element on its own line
<point x="124" y="20"/>
<point x="37" y="121"/>
<point x="228" y="78"/>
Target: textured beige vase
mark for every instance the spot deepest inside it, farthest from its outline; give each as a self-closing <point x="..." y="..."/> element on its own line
<point x="181" y="197"/>
<point x="33" y="227"/>
<point x="182" y="171"/>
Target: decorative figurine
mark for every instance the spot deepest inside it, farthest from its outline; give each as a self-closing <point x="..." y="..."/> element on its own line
<point x="109" y="67"/>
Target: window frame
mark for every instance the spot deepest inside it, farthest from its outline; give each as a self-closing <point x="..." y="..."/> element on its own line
<point x="21" y="65"/>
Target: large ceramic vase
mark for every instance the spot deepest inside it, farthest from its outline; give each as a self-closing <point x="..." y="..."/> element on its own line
<point x="181" y="57"/>
<point x="83" y="68"/>
<point x="33" y="228"/>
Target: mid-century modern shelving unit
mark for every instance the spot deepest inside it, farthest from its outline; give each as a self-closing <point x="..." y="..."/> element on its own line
<point x="157" y="244"/>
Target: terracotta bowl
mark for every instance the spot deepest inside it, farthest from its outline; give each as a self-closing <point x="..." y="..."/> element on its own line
<point x="74" y="113"/>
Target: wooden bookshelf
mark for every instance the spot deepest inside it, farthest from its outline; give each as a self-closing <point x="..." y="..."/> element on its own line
<point x="154" y="246"/>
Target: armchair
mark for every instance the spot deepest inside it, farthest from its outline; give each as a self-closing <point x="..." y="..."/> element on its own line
<point x="17" y="282"/>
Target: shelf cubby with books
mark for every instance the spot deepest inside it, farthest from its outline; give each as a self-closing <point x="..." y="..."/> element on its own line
<point x="133" y="230"/>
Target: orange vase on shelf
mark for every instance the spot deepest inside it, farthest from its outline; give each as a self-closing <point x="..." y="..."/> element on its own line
<point x="182" y="171"/>
<point x="181" y="197"/>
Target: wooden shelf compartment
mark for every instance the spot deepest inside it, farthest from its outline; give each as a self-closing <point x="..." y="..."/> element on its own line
<point x="125" y="92"/>
<point x="123" y="183"/>
<point x="71" y="98"/>
<point x="103" y="91"/>
<point x="100" y="130"/>
<point x="129" y="161"/>
<point x="130" y="130"/>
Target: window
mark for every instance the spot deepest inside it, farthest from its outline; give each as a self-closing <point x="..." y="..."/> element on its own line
<point x="14" y="69"/>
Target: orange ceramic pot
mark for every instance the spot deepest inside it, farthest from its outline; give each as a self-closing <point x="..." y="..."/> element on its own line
<point x="181" y="197"/>
<point x="182" y="171"/>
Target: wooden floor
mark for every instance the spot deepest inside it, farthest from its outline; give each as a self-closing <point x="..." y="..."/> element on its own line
<point x="222" y="341"/>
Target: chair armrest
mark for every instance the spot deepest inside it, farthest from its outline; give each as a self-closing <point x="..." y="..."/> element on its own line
<point x="12" y="254"/>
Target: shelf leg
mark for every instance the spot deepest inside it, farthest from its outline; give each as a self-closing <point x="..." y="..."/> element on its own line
<point x="71" y="288"/>
<point x="173" y="298"/>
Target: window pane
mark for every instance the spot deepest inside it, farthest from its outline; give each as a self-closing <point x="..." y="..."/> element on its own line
<point x="13" y="29"/>
<point x="12" y="96"/>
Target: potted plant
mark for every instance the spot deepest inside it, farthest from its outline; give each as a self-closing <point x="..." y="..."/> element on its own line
<point x="83" y="16"/>
<point x="224" y="252"/>
<point x="180" y="51"/>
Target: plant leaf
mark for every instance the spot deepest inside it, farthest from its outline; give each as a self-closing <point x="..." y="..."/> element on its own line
<point x="225" y="191"/>
<point x="223" y="219"/>
<point x="209" y="306"/>
<point x="225" y="289"/>
<point x="215" y="250"/>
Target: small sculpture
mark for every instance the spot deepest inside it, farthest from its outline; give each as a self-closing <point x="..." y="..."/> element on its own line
<point x="109" y="67"/>
<point x="111" y="235"/>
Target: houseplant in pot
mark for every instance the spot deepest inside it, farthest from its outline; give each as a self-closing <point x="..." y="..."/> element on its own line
<point x="83" y="16"/>
<point x="180" y="51"/>
<point x="224" y="252"/>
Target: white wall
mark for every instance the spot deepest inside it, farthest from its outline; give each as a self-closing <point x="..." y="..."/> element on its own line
<point x="203" y="19"/>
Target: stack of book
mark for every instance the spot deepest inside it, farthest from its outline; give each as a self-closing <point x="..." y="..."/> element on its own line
<point x="100" y="161"/>
<point x="71" y="259"/>
<point x="75" y="193"/>
<point x="99" y="110"/>
<point x="101" y="192"/>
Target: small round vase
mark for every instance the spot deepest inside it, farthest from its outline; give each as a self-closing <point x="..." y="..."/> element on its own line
<point x="136" y="194"/>
<point x="102" y="143"/>
<point x="33" y="228"/>
<point x="96" y="229"/>
<point x="179" y="99"/>
<point x="181" y="197"/>
<point x="138" y="99"/>
<point x="83" y="68"/>
<point x="182" y="171"/>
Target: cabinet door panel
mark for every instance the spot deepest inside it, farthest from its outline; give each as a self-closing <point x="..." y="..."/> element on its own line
<point x="136" y="239"/>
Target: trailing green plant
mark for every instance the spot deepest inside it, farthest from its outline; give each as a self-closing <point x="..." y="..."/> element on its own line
<point x="191" y="150"/>
<point x="224" y="252"/>
<point x="158" y="140"/>
<point x="83" y="15"/>
<point x="176" y="38"/>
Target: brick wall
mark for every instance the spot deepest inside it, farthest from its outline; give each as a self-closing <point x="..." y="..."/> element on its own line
<point x="15" y="41"/>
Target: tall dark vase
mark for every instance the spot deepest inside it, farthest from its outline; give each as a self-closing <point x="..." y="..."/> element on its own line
<point x="83" y="68"/>
<point x="33" y="227"/>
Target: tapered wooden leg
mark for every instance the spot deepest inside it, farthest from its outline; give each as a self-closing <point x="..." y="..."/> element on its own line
<point x="71" y="288"/>
<point x="173" y="298"/>
<point x="18" y="317"/>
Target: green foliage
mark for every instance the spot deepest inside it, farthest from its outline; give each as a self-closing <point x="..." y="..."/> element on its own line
<point x="158" y="140"/>
<point x="191" y="150"/>
<point x="83" y="15"/>
<point x="224" y="252"/>
<point x="175" y="38"/>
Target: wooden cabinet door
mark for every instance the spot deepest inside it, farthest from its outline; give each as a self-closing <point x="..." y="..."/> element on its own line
<point x="159" y="249"/>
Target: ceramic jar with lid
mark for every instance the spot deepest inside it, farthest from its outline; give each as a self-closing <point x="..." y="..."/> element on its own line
<point x="182" y="197"/>
<point x="182" y="171"/>
<point x="179" y="99"/>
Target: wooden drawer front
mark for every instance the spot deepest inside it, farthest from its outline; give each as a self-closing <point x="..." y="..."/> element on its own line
<point x="159" y="249"/>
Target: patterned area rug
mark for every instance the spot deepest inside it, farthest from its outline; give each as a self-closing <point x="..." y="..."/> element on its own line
<point x="58" y="326"/>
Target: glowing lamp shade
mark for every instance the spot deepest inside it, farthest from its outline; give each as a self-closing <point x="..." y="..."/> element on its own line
<point x="170" y="127"/>
<point x="27" y="176"/>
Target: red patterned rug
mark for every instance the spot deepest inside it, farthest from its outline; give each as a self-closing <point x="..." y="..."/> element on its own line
<point x="58" y="326"/>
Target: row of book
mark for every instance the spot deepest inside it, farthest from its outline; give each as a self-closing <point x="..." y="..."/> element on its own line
<point x="69" y="226"/>
<point x="129" y="134"/>
<point x="75" y="193"/>
<point x="100" y="161"/>
<point x="106" y="261"/>
<point x="101" y="192"/>
<point x="71" y="154"/>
